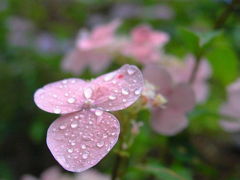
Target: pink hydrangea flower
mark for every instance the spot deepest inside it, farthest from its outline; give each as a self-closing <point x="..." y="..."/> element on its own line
<point x="145" y="44"/>
<point x="86" y="132"/>
<point x="231" y="108"/>
<point x="170" y="119"/>
<point x="93" y="50"/>
<point x="181" y="72"/>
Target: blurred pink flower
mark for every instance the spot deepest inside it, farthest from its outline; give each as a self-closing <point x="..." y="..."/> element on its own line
<point x="92" y="50"/>
<point x="170" y="119"/>
<point x="231" y="108"/>
<point x="181" y="72"/>
<point x="86" y="132"/>
<point x="54" y="173"/>
<point x="145" y="44"/>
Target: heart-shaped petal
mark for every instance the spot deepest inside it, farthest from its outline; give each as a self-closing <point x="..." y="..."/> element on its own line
<point x="61" y="97"/>
<point x="80" y="140"/>
<point x="119" y="89"/>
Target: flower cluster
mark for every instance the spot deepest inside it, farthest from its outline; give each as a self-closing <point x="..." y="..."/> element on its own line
<point x="86" y="132"/>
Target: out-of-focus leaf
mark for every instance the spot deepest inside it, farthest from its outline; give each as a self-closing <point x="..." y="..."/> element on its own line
<point x="38" y="131"/>
<point x="162" y="173"/>
<point x="185" y="172"/>
<point x="207" y="38"/>
<point x="224" y="64"/>
<point x="144" y="115"/>
<point x="198" y="42"/>
<point x="190" y="39"/>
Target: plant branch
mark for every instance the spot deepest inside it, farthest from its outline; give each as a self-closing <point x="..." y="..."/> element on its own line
<point x="226" y="14"/>
<point x="219" y="24"/>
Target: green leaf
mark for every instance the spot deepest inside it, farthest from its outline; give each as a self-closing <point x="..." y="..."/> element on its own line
<point x="190" y="39"/>
<point x="207" y="38"/>
<point x="198" y="42"/>
<point x="161" y="173"/>
<point x="224" y="64"/>
<point x="38" y="131"/>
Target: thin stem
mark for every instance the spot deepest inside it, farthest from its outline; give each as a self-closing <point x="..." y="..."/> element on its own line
<point x="225" y="14"/>
<point x="125" y="141"/>
<point x="219" y="24"/>
<point x="195" y="70"/>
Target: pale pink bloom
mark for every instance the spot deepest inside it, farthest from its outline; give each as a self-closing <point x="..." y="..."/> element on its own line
<point x="181" y="72"/>
<point x="145" y="44"/>
<point x="100" y="37"/>
<point x="92" y="175"/>
<point x="93" y="49"/>
<point x="231" y="108"/>
<point x="77" y="60"/>
<point x="54" y="173"/>
<point x="170" y="119"/>
<point x="86" y="132"/>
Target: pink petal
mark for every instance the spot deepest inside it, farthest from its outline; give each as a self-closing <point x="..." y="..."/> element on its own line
<point x="100" y="62"/>
<point x="80" y="140"/>
<point x="119" y="89"/>
<point x="230" y="109"/>
<point x="100" y="36"/>
<point x="230" y="126"/>
<point x="52" y="173"/>
<point x="61" y="97"/>
<point x="234" y="87"/>
<point x="144" y="34"/>
<point x="201" y="91"/>
<point x="168" y="121"/>
<point x="145" y="54"/>
<point x="159" y="77"/>
<point x="182" y="98"/>
<point x="75" y="62"/>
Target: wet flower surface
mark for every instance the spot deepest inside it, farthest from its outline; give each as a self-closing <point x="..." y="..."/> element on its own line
<point x="86" y="132"/>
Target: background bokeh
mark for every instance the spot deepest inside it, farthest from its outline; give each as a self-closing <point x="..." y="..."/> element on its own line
<point x="35" y="36"/>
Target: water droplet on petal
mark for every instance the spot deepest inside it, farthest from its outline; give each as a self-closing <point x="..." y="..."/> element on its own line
<point x="138" y="91"/>
<point x="62" y="127"/>
<point x="131" y="71"/>
<point x="98" y="112"/>
<point x="85" y="156"/>
<point x="100" y="144"/>
<point x="109" y="77"/>
<point x="74" y="125"/>
<point x="83" y="146"/>
<point x="70" y="150"/>
<point x="57" y="110"/>
<point x="71" y="100"/>
<point x="112" y="97"/>
<point x="64" y="82"/>
<point x="125" y="92"/>
<point x="87" y="93"/>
